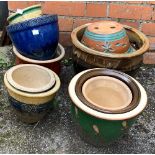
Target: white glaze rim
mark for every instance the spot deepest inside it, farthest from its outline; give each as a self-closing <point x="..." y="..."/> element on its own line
<point x="59" y="48"/>
<point x="50" y="83"/>
<point x="133" y="113"/>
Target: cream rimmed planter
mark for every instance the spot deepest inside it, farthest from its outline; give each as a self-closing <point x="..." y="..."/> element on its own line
<point x="30" y="78"/>
<point x="53" y="64"/>
<point x="101" y="128"/>
<point x="31" y="107"/>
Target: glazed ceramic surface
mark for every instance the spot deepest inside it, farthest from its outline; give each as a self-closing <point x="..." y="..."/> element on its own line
<point x="31" y="78"/>
<point x="110" y="73"/>
<point x="36" y="38"/>
<point x="53" y="64"/>
<point x="25" y="14"/>
<point x="86" y="57"/>
<point x="107" y="36"/>
<point x="106" y="92"/>
<point x="101" y="127"/>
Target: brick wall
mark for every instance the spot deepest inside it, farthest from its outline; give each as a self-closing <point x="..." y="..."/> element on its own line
<point x="138" y="14"/>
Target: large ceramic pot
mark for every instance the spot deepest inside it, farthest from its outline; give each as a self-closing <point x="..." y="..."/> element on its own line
<point x="107" y="36"/>
<point x="36" y="38"/>
<point x="85" y="57"/>
<point x="113" y="85"/>
<point x="25" y="14"/>
<point x="53" y="64"/>
<point x="30" y="107"/>
<point x="100" y="128"/>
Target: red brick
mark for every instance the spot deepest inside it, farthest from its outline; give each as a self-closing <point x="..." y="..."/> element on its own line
<point x="149" y="58"/>
<point x="132" y="24"/>
<point x="149" y="29"/>
<point x="152" y="43"/>
<point x="64" y="8"/>
<point x="65" y="24"/>
<point x="13" y="5"/>
<point x="153" y="15"/>
<point x="151" y="2"/>
<point x="130" y="11"/>
<point x="65" y="39"/>
<point x="96" y="10"/>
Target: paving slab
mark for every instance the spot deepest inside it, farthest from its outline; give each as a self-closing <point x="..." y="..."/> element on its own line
<point x="56" y="133"/>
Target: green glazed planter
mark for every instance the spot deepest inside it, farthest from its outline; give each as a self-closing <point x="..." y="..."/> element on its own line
<point x="99" y="128"/>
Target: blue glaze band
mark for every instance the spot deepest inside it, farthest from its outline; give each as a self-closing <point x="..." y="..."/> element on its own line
<point x="28" y="107"/>
<point x="46" y="19"/>
<point x="110" y="37"/>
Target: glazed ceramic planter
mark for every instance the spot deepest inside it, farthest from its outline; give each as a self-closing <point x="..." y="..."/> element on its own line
<point x="22" y="78"/>
<point x="86" y="58"/>
<point x="100" y="128"/>
<point x="53" y="64"/>
<point x="36" y="38"/>
<point x="107" y="37"/>
<point x="122" y="77"/>
<point x="31" y="107"/>
<point x="25" y="14"/>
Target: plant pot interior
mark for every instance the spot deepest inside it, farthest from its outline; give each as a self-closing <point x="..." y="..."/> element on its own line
<point x="107" y="93"/>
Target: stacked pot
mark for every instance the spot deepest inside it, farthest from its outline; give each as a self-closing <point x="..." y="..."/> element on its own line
<point x="105" y="101"/>
<point x="32" y="84"/>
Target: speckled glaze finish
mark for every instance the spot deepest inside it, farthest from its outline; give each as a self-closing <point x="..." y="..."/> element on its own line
<point x="36" y="38"/>
<point x="85" y="57"/>
<point x="98" y="127"/>
<point x="111" y="73"/>
<point x="107" y="36"/>
<point x="53" y="64"/>
<point x="26" y="14"/>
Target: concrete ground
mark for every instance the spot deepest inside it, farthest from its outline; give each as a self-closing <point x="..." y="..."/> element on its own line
<point x="56" y="133"/>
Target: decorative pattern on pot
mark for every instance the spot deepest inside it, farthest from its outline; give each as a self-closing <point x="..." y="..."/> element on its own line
<point x="25" y="14"/>
<point x="100" y="128"/>
<point x="53" y="64"/>
<point x="107" y="36"/>
<point x="85" y="57"/>
<point x="36" y="38"/>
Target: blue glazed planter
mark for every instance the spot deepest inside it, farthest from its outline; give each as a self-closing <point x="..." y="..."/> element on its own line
<point x="36" y="38"/>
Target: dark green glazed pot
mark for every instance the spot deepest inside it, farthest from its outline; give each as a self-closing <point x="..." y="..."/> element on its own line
<point x="100" y="128"/>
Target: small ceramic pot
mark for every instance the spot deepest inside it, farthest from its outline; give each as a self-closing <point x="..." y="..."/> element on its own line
<point x="123" y="79"/>
<point x="31" y="107"/>
<point x="53" y="64"/>
<point x="86" y="58"/>
<point x="100" y="128"/>
<point x="25" y="14"/>
<point x="107" y="36"/>
<point x="36" y="38"/>
<point x="22" y="78"/>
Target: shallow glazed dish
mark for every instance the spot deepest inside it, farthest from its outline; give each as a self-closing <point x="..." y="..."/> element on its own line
<point x="31" y="107"/>
<point x="36" y="38"/>
<point x="86" y="58"/>
<point x="110" y="73"/>
<point x="25" y="14"/>
<point x="100" y="128"/>
<point x="31" y="78"/>
<point x="107" y="36"/>
<point x="53" y="64"/>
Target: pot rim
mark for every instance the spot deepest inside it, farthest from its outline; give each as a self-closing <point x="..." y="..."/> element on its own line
<point x="34" y="95"/>
<point x="46" y="87"/>
<point x="86" y="49"/>
<point x="123" y="116"/>
<point x="60" y="48"/>
<point x="24" y="10"/>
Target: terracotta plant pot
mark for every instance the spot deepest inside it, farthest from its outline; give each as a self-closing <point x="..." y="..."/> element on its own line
<point x="22" y="78"/>
<point x="25" y="14"/>
<point x="53" y="64"/>
<point x="100" y="128"/>
<point x="86" y="57"/>
<point x="122" y="77"/>
<point x="31" y="107"/>
<point x="107" y="37"/>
